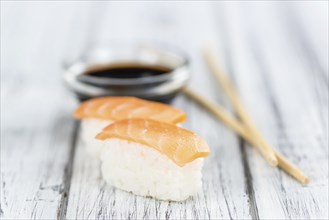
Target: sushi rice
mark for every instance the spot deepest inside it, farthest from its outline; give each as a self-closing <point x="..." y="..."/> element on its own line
<point x="139" y="169"/>
<point x="90" y="127"/>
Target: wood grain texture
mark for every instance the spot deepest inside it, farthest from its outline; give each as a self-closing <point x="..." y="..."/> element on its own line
<point x="286" y="115"/>
<point x="36" y="126"/>
<point x="276" y="54"/>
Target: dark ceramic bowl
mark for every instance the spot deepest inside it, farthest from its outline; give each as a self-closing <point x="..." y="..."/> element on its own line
<point x="162" y="87"/>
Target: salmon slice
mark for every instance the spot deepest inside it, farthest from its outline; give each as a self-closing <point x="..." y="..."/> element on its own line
<point x="117" y="108"/>
<point x="178" y="144"/>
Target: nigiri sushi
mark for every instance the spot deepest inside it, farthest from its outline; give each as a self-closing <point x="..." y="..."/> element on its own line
<point x="152" y="158"/>
<point x="100" y="112"/>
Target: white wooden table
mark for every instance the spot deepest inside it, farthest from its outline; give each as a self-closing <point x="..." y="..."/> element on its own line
<point x="276" y="53"/>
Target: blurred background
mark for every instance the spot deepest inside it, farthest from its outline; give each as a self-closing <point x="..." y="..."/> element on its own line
<point x="285" y="39"/>
<point x="38" y="36"/>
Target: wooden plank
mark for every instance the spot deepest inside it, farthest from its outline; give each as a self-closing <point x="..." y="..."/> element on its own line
<point x="275" y="86"/>
<point x="307" y="20"/>
<point x="224" y="192"/>
<point x="268" y="63"/>
<point x="36" y="126"/>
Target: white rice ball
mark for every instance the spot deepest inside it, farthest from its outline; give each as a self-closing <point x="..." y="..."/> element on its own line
<point x="90" y="127"/>
<point x="145" y="171"/>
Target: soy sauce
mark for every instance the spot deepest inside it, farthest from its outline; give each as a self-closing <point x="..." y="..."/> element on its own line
<point x="126" y="70"/>
<point x="126" y="79"/>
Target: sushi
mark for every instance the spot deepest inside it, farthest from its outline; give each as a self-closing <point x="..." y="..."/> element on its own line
<point x="100" y="112"/>
<point x="152" y="158"/>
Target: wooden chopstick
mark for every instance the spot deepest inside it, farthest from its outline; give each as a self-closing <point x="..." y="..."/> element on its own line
<point x="228" y="88"/>
<point x="236" y="126"/>
<point x="217" y="110"/>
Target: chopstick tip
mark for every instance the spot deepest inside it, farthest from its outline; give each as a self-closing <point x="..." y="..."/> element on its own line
<point x="305" y="180"/>
<point x="273" y="161"/>
<point x="270" y="158"/>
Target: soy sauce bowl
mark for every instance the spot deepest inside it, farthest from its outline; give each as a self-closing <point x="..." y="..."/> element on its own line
<point x="162" y="87"/>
